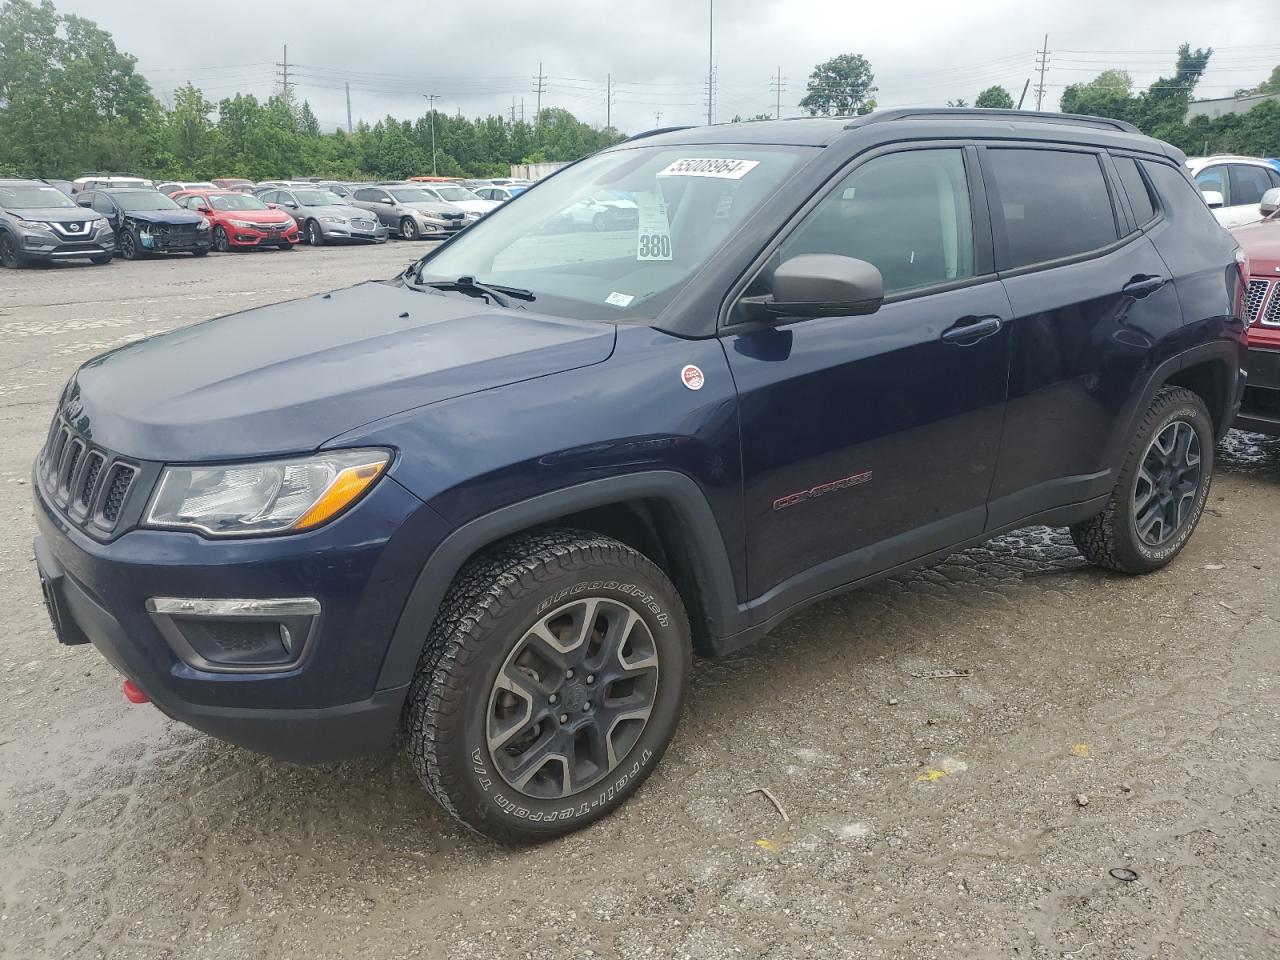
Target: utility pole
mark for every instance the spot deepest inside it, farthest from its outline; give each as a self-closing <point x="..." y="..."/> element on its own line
<point x="522" y="109"/>
<point x="283" y="64"/>
<point x="431" y="103"/>
<point x="657" y="119"/>
<point x="348" y="108"/>
<point x="1043" y="62"/>
<point x="513" y="111"/>
<point x="711" y="69"/>
<point x="540" y="83"/>
<point x="608" y="100"/>
<point x="779" y="83"/>
<point x="1024" y="92"/>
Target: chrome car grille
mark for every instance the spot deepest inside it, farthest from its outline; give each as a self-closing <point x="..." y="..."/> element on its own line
<point x="361" y="224"/>
<point x="84" y="483"/>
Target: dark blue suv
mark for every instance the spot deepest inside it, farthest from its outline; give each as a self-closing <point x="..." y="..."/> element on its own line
<point x="495" y="504"/>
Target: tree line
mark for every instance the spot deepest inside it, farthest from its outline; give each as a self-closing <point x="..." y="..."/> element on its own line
<point x="71" y="102"/>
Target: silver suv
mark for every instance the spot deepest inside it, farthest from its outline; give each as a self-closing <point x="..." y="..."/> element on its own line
<point x="40" y="222"/>
<point x="409" y="211"/>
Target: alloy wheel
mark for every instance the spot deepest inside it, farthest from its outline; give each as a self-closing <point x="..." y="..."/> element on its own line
<point x="1168" y="480"/>
<point x="572" y="697"/>
<point x="314" y="236"/>
<point x="129" y="247"/>
<point x="8" y="256"/>
<point x="220" y="242"/>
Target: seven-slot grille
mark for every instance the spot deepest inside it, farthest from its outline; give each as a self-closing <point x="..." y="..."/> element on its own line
<point x="1271" y="306"/>
<point x="1253" y="298"/>
<point x="85" y="483"/>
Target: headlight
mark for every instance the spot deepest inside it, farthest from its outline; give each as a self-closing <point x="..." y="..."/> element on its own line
<point x="333" y="220"/>
<point x="473" y="215"/>
<point x="33" y="224"/>
<point x="246" y="224"/>
<point x="276" y="496"/>
<point x="203" y="224"/>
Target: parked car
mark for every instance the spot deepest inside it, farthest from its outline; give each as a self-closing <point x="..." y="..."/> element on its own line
<point x="606" y="210"/>
<point x="465" y="200"/>
<point x="64" y="185"/>
<point x="496" y="504"/>
<point x="238" y="184"/>
<point x="104" y="181"/>
<point x="170" y="187"/>
<point x="240" y="220"/>
<point x="500" y="194"/>
<point x="409" y="212"/>
<point x="1260" y="411"/>
<point x="324" y="217"/>
<point x="344" y="190"/>
<point x="40" y="223"/>
<point x="146" y="222"/>
<point x="1233" y="186"/>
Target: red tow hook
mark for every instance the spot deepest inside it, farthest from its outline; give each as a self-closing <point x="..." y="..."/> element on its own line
<point x="133" y="693"/>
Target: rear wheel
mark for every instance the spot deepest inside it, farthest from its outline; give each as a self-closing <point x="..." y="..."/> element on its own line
<point x="408" y="229"/>
<point x="550" y="685"/>
<point x="1161" y="491"/>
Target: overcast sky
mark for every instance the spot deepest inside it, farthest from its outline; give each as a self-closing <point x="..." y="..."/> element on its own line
<point x="479" y="56"/>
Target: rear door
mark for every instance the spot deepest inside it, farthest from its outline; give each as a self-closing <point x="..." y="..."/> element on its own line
<point x="1093" y="308"/>
<point x="871" y="440"/>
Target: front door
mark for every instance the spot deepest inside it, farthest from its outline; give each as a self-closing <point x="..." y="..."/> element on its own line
<point x="869" y="441"/>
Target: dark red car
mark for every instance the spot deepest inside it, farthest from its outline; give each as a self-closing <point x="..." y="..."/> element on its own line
<point x="1261" y="408"/>
<point x="240" y="220"/>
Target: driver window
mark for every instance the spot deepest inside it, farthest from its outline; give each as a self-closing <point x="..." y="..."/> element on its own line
<point x="907" y="213"/>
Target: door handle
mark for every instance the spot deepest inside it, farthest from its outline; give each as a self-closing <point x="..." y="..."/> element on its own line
<point x="1142" y="286"/>
<point x="969" y="330"/>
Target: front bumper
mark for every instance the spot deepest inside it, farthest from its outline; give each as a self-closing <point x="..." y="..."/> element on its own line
<point x="160" y="243"/>
<point x="1260" y="408"/>
<point x="433" y="228"/>
<point x="326" y="706"/>
<point x="48" y="247"/>
<point x="245" y="237"/>
<point x="345" y="232"/>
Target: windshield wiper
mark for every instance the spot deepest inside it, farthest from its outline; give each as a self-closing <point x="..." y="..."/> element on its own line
<point x="495" y="291"/>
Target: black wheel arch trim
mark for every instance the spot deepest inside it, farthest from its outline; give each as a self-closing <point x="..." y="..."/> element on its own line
<point x="712" y="569"/>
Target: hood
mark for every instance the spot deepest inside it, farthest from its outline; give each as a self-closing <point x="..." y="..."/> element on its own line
<point x="255" y="216"/>
<point x="286" y="378"/>
<point x="1261" y="241"/>
<point x="56" y="214"/>
<point x="173" y="217"/>
<point x="476" y="206"/>
<point x="340" y="210"/>
<point x="433" y="207"/>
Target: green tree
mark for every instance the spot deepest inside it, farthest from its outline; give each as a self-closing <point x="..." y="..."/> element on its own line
<point x="189" y="135"/>
<point x="1165" y="102"/>
<point x="841" y="86"/>
<point x="1109" y="94"/>
<point x="958" y="102"/>
<point x="307" y="122"/>
<point x="995" y="97"/>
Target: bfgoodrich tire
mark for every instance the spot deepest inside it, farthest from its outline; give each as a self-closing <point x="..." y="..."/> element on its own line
<point x="550" y="685"/>
<point x="1161" y="491"/>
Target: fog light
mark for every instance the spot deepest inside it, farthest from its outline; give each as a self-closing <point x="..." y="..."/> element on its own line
<point x="237" y="636"/>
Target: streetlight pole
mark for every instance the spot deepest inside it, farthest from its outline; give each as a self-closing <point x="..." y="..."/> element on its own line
<point x="431" y="101"/>
<point x="711" y="69"/>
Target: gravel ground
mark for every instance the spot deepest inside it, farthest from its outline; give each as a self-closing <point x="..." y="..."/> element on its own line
<point x="1108" y="723"/>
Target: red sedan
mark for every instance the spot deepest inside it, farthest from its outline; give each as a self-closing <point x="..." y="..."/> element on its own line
<point x="1261" y="241"/>
<point x="240" y="220"/>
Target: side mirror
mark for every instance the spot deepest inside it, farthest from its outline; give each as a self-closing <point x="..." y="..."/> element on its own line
<point x="1213" y="198"/>
<point x="1270" y="202"/>
<point x="273" y="205"/>
<point x="820" y="285"/>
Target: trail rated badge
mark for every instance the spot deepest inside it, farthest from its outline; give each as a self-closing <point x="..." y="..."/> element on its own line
<point x="692" y="377"/>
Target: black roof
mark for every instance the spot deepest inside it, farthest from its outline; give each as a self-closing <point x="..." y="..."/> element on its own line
<point x="915" y="123"/>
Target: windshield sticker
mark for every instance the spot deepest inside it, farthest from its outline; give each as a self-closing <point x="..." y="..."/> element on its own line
<point x="653" y="237"/>
<point x="616" y="299"/>
<point x="707" y="167"/>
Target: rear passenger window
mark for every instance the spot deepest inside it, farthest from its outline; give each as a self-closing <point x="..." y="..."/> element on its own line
<point x="1248" y="184"/>
<point x="907" y="213"/>
<point x="1135" y="189"/>
<point x="1052" y="204"/>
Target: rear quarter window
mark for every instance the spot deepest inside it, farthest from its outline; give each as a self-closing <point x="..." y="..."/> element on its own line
<point x="1052" y="204"/>
<point x="1135" y="188"/>
<point x="1177" y="195"/>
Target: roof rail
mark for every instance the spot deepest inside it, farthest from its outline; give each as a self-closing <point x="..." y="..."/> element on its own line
<point x="655" y="131"/>
<point x="961" y="113"/>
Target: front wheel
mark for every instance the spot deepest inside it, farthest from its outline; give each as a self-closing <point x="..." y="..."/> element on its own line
<point x="315" y="236"/>
<point x="549" y="686"/>
<point x="221" y="242"/>
<point x="202" y="252"/>
<point x="129" y="246"/>
<point x="1160" y="494"/>
<point x="100" y="260"/>
<point x="408" y="229"/>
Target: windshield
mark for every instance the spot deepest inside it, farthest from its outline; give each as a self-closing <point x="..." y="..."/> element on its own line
<point x="412" y="195"/>
<point x="235" y="201"/>
<point x="144" y="200"/>
<point x="456" y="193"/>
<point x="33" y="197"/>
<point x="516" y="191"/>
<point x="317" y="198"/>
<point x="666" y="211"/>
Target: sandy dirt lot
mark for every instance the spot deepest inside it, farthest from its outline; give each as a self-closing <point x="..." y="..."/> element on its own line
<point x="1108" y="723"/>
